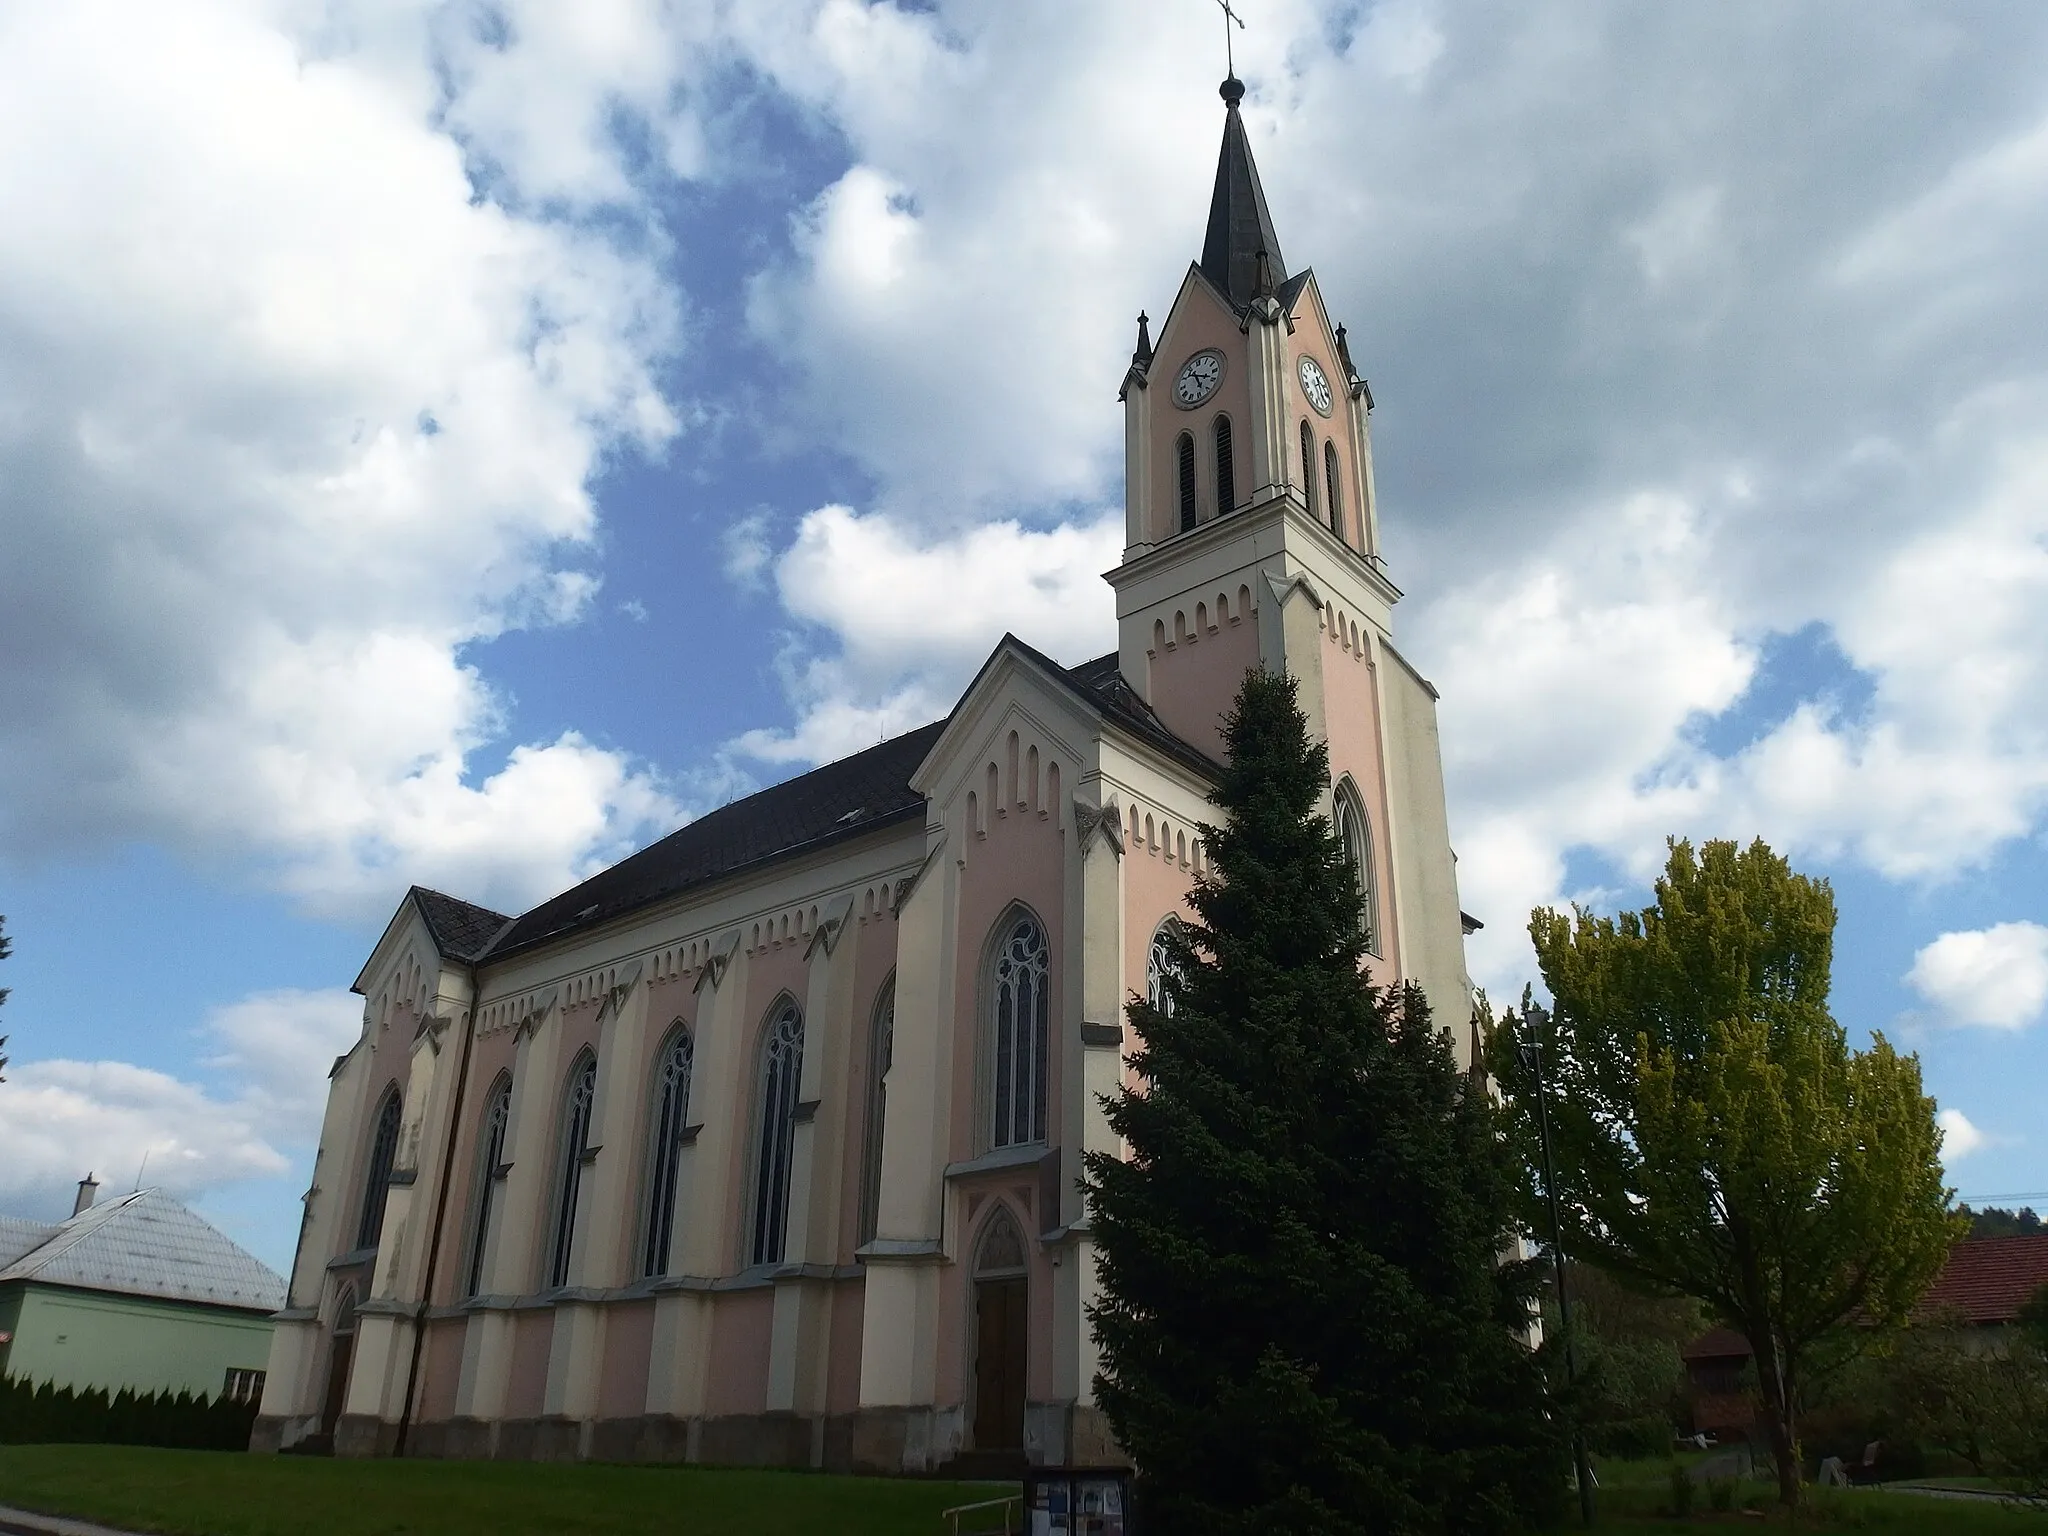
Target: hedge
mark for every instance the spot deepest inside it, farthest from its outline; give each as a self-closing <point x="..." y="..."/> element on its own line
<point x="46" y="1415"/>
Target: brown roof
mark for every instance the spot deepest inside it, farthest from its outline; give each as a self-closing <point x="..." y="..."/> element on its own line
<point x="1988" y="1279"/>
<point x="1717" y="1344"/>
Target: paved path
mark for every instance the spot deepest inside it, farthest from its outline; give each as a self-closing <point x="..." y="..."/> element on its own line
<point x="22" y="1522"/>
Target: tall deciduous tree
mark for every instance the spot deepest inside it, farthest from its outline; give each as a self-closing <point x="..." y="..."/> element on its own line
<point x="1303" y="1320"/>
<point x="1715" y="1135"/>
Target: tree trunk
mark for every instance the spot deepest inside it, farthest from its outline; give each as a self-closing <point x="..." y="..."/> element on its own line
<point x="1774" y="1381"/>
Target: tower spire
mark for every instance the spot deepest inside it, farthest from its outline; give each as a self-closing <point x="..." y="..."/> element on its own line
<point x="1240" y="228"/>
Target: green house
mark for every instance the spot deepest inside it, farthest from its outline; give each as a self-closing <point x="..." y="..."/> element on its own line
<point x="138" y="1292"/>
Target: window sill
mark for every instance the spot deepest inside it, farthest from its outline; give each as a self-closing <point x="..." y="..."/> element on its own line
<point x="1025" y="1155"/>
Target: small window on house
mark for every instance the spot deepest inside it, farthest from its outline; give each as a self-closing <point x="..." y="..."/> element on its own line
<point x="242" y="1386"/>
<point x="377" y="1185"/>
<point x="1336" y="503"/>
<point x="572" y="1153"/>
<point x="665" y="1150"/>
<point x="1226" y="468"/>
<point x="782" y="1065"/>
<point x="1184" y="452"/>
<point x="1308" y="468"/>
<point x="490" y="1158"/>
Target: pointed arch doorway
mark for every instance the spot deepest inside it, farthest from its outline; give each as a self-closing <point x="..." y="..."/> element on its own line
<point x="1001" y="1331"/>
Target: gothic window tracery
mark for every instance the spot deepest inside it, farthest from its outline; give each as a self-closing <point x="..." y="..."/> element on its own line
<point x="573" y="1150"/>
<point x="881" y="1052"/>
<point x="1159" y="965"/>
<point x="1308" y="470"/>
<point x="782" y="1061"/>
<point x="490" y="1155"/>
<point x="377" y="1184"/>
<point x="1354" y="829"/>
<point x="1184" y="455"/>
<point x="665" y="1151"/>
<point x="1019" y="1007"/>
<point x="1336" y="504"/>
<point x="1226" y="468"/>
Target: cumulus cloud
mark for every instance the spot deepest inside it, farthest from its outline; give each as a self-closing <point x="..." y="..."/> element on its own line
<point x="901" y="619"/>
<point x="1669" y="363"/>
<point x="271" y="1051"/>
<point x="1996" y="977"/>
<point x="291" y="421"/>
<point x="1959" y="1138"/>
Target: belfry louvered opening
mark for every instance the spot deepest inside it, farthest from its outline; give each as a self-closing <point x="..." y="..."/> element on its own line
<point x="1184" y="451"/>
<point x="1226" y="468"/>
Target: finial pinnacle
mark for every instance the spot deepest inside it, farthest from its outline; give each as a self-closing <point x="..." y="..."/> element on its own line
<point x="1232" y="92"/>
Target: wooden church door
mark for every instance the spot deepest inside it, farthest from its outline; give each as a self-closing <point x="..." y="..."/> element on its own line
<point x="339" y="1358"/>
<point x="1001" y="1330"/>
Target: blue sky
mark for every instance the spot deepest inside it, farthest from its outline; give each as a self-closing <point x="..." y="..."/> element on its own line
<point x="458" y="442"/>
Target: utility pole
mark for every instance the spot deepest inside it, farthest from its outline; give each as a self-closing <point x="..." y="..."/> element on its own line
<point x="1534" y="1019"/>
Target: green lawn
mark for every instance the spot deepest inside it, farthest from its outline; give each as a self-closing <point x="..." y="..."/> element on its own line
<point x="207" y="1493"/>
<point x="201" y="1493"/>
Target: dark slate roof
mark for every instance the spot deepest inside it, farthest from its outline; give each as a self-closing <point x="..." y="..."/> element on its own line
<point x="814" y="810"/>
<point x="840" y="800"/>
<point x="1239" y="224"/>
<point x="462" y="930"/>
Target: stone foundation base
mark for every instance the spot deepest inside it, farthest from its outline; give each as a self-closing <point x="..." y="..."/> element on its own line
<point x="889" y="1442"/>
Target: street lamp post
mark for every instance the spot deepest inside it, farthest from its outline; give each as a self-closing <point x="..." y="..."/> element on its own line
<point x="1534" y="1018"/>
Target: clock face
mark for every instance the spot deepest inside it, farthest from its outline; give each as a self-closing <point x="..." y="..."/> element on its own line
<point x="1314" y="384"/>
<point x="1197" y="379"/>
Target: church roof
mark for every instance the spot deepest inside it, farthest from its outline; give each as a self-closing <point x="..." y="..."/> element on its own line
<point x="462" y="930"/>
<point x="1239" y="224"/>
<point x="814" y="810"/>
<point x="145" y="1244"/>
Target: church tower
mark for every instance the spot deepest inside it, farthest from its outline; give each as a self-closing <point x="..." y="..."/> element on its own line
<point x="1252" y="539"/>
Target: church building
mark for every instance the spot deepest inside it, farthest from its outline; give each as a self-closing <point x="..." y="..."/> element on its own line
<point x="762" y="1145"/>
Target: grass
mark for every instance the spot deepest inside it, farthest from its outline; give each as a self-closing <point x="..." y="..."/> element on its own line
<point x="209" y="1493"/>
<point x="203" y="1493"/>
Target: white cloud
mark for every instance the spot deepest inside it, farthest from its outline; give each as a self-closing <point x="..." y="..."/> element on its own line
<point x="290" y="419"/>
<point x="1959" y="1138"/>
<point x="61" y="1119"/>
<point x="1996" y="977"/>
<point x="907" y="618"/>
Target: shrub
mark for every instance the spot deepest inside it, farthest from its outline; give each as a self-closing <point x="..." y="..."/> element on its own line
<point x="49" y="1415"/>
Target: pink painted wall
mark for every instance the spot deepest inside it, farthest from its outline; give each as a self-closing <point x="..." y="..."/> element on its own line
<point x="628" y="1346"/>
<point x="1197" y="661"/>
<point x="1201" y="321"/>
<point x="1351" y="711"/>
<point x="526" y="1388"/>
<point x="1313" y="338"/>
<point x="874" y="937"/>
<point x="842" y="1371"/>
<point x="441" y="1368"/>
<point x="741" y="1325"/>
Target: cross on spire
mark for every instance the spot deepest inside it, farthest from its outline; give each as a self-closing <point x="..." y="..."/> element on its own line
<point x="1229" y="56"/>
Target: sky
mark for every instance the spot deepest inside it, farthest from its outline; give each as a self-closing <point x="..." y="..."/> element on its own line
<point x="456" y="443"/>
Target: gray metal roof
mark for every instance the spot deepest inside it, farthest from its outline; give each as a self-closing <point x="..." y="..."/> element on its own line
<point x="18" y="1235"/>
<point x="144" y="1244"/>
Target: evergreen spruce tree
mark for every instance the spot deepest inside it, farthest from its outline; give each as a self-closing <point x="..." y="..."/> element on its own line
<point x="1304" y="1321"/>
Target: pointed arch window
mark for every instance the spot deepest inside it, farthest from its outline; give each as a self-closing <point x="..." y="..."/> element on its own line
<point x="782" y="1064"/>
<point x="1019" y="1013"/>
<point x="671" y="1109"/>
<point x="881" y="1053"/>
<point x="1160" y="965"/>
<point x="1336" y="503"/>
<point x="1226" y="468"/>
<point x="1184" y="457"/>
<point x="1354" y="829"/>
<point x="490" y="1159"/>
<point x="573" y="1153"/>
<point x="377" y="1181"/>
<point x="1308" y="468"/>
